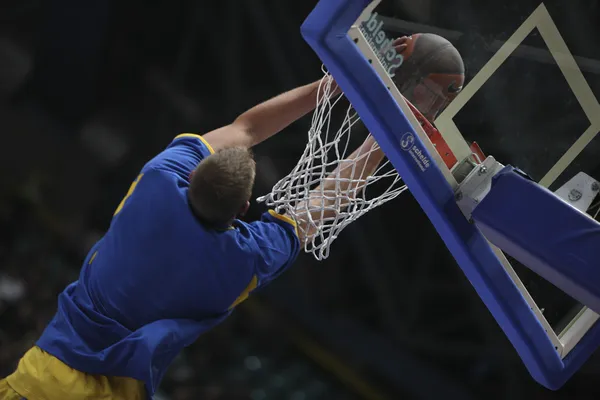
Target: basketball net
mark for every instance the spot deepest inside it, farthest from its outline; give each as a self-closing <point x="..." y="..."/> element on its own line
<point x="326" y="148"/>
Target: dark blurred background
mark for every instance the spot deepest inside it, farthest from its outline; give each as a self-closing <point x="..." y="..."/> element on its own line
<point x="90" y="90"/>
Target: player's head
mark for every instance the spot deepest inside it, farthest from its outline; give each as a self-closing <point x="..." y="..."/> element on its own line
<point x="221" y="186"/>
<point x="432" y="73"/>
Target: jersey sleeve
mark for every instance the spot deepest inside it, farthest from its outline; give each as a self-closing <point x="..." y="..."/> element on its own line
<point x="182" y="155"/>
<point x="278" y="245"/>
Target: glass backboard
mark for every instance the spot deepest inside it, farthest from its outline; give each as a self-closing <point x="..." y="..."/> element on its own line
<point x="529" y="101"/>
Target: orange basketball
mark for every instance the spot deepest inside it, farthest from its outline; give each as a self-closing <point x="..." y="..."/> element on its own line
<point x="431" y="74"/>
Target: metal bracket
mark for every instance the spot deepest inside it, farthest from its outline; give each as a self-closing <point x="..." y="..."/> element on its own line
<point x="476" y="185"/>
<point x="580" y="191"/>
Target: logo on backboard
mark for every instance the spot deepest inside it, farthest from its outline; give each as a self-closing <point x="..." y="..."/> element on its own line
<point x="407" y="142"/>
<point x="372" y="30"/>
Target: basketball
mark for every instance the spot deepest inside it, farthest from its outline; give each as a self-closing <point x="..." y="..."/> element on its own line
<point x="431" y="74"/>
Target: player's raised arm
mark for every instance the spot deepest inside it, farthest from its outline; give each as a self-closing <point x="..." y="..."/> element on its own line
<point x="336" y="191"/>
<point x="184" y="154"/>
<point x="266" y="119"/>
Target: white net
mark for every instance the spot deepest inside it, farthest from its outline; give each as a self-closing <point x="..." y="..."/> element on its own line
<point x="333" y="184"/>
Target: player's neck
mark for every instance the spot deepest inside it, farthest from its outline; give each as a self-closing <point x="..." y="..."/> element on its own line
<point x="221" y="227"/>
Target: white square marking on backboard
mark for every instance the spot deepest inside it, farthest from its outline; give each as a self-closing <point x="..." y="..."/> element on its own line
<point x="549" y="32"/>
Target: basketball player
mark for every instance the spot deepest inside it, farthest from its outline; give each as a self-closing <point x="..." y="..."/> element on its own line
<point x="174" y="262"/>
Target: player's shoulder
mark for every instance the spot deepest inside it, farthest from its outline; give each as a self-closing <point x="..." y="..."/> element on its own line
<point x="194" y="140"/>
<point x="281" y="219"/>
<point x="269" y="228"/>
<point x="154" y="179"/>
<point x="155" y="191"/>
<point x="181" y="156"/>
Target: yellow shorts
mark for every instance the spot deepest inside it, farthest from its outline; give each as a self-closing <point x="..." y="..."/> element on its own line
<point x="42" y="376"/>
<point x="7" y="393"/>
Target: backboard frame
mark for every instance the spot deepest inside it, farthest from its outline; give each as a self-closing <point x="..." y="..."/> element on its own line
<point x="332" y="31"/>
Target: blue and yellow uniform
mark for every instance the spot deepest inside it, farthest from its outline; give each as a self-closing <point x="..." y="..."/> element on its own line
<point x="157" y="280"/>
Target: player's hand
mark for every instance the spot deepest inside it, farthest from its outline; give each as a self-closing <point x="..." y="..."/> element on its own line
<point x="401" y="43"/>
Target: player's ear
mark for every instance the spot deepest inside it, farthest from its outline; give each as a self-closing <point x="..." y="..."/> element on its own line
<point x="192" y="174"/>
<point x="244" y="208"/>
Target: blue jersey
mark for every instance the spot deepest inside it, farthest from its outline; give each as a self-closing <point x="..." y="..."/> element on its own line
<point x="159" y="278"/>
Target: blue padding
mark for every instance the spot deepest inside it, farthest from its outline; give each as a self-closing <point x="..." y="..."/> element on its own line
<point x="544" y="233"/>
<point x="326" y="30"/>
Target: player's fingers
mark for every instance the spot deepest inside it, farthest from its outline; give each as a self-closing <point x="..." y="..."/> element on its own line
<point x="401" y="40"/>
<point x="400" y="48"/>
<point x="400" y="44"/>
